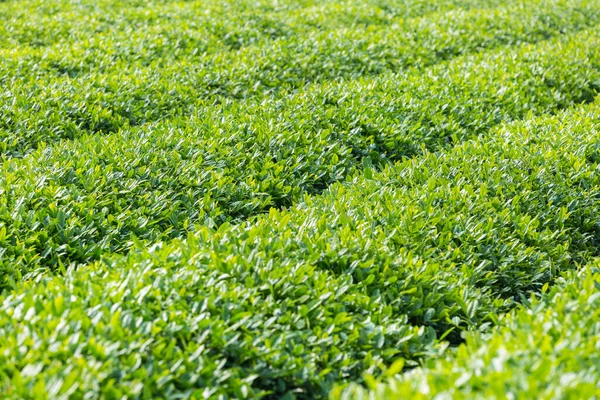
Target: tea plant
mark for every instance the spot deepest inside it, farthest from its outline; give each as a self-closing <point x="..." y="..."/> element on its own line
<point x="377" y="269"/>
<point x="299" y="199"/>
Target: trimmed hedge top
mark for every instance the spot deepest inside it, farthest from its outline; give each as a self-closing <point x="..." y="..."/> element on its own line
<point x="379" y="268"/>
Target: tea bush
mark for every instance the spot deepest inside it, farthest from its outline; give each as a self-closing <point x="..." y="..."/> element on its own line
<point x="378" y="268"/>
<point x="299" y="199"/>
<point x="98" y="67"/>
<point x="74" y="201"/>
<point x="546" y="350"/>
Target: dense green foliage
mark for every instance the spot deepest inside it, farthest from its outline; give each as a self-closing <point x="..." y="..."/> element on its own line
<point x="98" y="68"/>
<point x="547" y="350"/>
<point x="345" y="283"/>
<point x="74" y="201"/>
<point x="260" y="198"/>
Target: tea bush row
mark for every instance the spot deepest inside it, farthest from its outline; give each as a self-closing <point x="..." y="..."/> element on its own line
<point x="100" y="84"/>
<point x="379" y="268"/>
<point x="215" y="26"/>
<point x="547" y="349"/>
<point x="73" y="202"/>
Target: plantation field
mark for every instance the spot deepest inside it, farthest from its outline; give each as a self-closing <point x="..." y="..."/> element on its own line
<point x="300" y="199"/>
